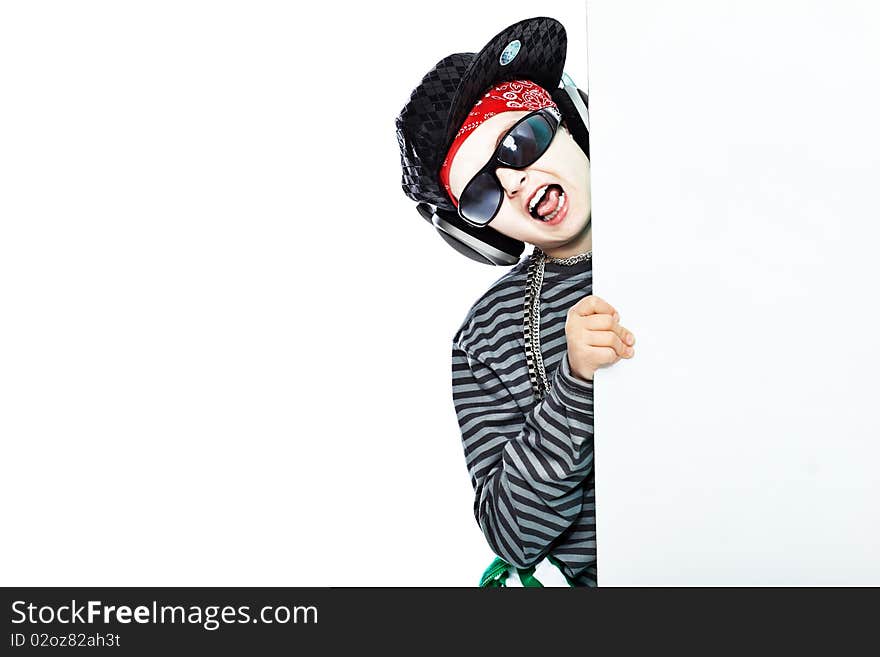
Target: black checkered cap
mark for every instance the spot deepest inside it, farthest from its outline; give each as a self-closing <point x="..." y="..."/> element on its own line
<point x="437" y="107"/>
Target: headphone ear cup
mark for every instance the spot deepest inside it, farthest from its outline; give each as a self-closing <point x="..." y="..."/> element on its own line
<point x="484" y="245"/>
<point x="572" y="117"/>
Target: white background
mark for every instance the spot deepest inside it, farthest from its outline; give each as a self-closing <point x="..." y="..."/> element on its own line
<point x="225" y="331"/>
<point x="735" y="167"/>
<point x="225" y="337"/>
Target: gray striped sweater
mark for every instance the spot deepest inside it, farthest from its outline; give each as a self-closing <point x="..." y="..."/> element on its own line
<point x="531" y="464"/>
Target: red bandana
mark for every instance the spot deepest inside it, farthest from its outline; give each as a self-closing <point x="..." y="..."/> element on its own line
<point x="515" y="96"/>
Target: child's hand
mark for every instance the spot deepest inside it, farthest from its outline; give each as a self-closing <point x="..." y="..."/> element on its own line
<point x="594" y="337"/>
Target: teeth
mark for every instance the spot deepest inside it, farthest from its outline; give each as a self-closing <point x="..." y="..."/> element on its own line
<point x="537" y="197"/>
<point x="559" y="204"/>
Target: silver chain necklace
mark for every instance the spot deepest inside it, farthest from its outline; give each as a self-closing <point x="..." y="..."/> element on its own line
<point x="532" y="316"/>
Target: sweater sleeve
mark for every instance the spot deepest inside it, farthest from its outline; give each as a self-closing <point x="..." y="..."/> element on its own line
<point x="526" y="468"/>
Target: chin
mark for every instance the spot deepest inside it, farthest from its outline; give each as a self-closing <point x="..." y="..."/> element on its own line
<point x="577" y="227"/>
<point x="573" y="224"/>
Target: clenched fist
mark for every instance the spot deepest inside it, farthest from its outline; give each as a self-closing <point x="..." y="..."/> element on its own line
<point x="594" y="337"/>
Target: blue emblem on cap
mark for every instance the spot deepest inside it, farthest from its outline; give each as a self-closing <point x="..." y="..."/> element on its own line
<point x="510" y="52"/>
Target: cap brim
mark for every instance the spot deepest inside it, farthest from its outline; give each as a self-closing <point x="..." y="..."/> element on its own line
<point x="540" y="59"/>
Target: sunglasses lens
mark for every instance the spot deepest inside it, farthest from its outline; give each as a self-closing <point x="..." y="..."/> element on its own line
<point x="480" y="199"/>
<point x="526" y="142"/>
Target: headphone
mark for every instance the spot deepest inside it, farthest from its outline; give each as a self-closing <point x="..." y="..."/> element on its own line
<point x="485" y="244"/>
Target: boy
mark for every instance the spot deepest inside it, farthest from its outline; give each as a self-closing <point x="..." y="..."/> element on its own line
<point x="483" y="139"/>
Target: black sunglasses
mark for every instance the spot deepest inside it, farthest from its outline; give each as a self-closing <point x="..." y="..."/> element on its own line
<point x="520" y="147"/>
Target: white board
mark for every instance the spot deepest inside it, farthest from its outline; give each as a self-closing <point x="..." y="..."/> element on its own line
<point x="735" y="166"/>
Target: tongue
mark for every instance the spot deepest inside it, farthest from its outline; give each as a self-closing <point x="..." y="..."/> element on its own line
<point x="549" y="202"/>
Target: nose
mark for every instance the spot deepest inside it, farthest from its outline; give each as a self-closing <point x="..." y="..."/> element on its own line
<point x="512" y="180"/>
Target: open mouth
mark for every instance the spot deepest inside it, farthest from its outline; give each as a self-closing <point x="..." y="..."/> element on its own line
<point x="547" y="202"/>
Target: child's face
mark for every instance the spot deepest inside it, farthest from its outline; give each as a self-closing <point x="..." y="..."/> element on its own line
<point x="563" y="164"/>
